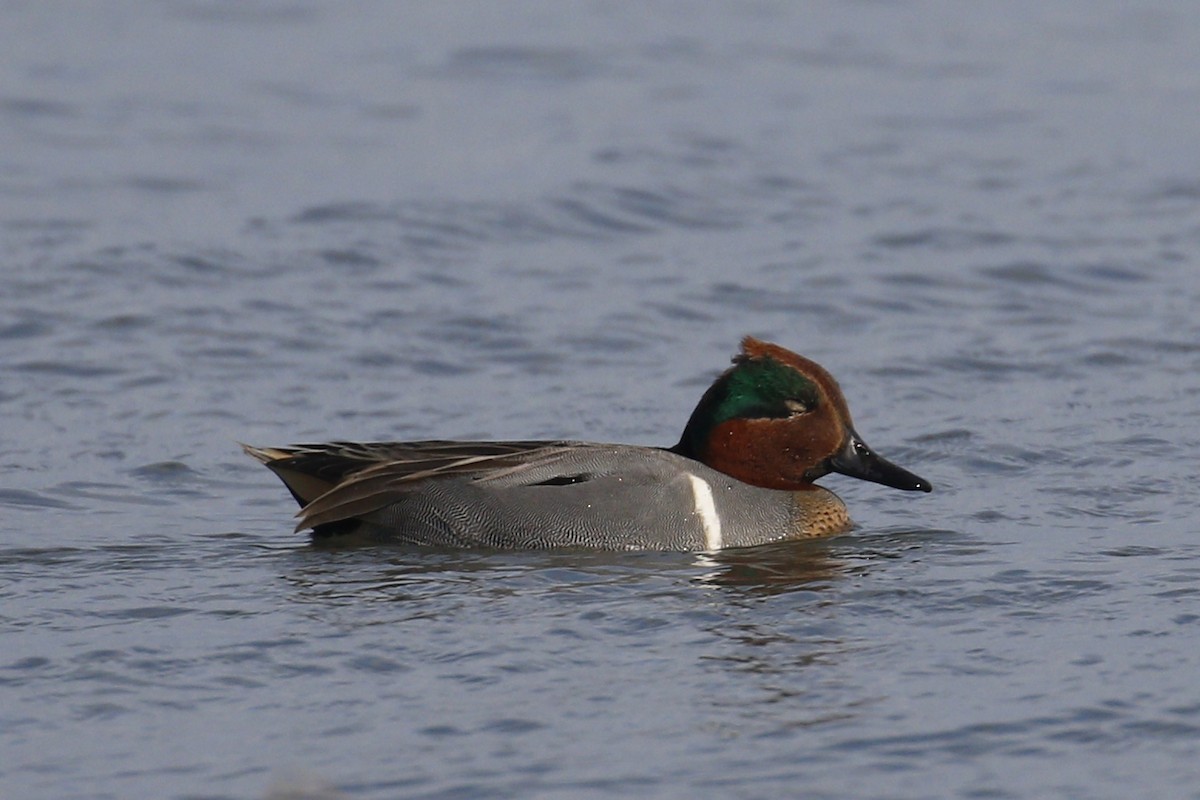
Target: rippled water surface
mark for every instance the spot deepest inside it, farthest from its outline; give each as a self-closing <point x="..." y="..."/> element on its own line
<point x="291" y="221"/>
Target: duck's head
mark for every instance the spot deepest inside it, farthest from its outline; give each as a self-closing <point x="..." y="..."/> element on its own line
<point x="778" y="420"/>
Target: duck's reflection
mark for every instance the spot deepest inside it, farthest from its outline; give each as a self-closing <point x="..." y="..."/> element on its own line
<point x="397" y="573"/>
<point x="772" y="569"/>
<point x="403" y="572"/>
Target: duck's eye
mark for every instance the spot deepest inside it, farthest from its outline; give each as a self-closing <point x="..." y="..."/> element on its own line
<point x="861" y="449"/>
<point x="796" y="406"/>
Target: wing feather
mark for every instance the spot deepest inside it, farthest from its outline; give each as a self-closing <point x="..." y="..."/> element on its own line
<point x="345" y="480"/>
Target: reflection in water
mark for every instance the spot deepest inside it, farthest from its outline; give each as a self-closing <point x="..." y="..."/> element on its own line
<point x="394" y="573"/>
<point x="385" y="572"/>
<point x="807" y="564"/>
<point x="765" y="634"/>
<point x="772" y="569"/>
<point x="781" y="641"/>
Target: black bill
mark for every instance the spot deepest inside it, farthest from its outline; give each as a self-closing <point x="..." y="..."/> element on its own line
<point x="859" y="461"/>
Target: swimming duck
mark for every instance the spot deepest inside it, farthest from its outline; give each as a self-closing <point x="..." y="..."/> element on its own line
<point x="742" y="474"/>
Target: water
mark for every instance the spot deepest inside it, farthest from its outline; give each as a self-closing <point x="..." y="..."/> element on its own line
<point x="287" y="221"/>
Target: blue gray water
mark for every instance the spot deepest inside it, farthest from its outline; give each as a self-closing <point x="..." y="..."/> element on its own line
<point x="282" y="220"/>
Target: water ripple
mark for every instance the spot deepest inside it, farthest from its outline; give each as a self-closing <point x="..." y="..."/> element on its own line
<point x="25" y="498"/>
<point x="508" y="63"/>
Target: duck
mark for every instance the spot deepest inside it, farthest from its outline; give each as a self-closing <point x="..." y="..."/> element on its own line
<point x="742" y="474"/>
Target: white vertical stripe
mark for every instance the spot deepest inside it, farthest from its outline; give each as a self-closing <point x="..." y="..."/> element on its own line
<point x="706" y="509"/>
